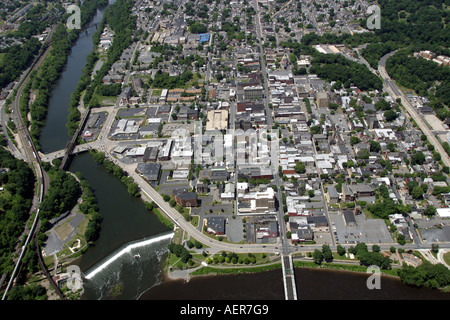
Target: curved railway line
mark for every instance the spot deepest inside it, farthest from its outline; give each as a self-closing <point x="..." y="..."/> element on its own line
<point x="32" y="157"/>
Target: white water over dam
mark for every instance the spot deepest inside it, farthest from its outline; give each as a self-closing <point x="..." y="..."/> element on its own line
<point x="132" y="269"/>
<point x="128" y="249"/>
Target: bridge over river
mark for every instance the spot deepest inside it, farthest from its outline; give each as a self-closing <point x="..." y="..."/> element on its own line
<point x="64" y="154"/>
<point x="290" y="289"/>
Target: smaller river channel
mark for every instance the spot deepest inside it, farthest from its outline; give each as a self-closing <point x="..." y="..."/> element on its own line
<point x="54" y="135"/>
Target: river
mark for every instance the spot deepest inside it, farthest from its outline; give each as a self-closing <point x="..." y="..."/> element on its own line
<point x="54" y="135"/>
<point x="127" y="258"/>
<point x="312" y="284"/>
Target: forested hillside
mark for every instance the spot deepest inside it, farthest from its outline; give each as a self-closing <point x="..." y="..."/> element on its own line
<point x="409" y="23"/>
<point x="337" y="68"/>
<point x="425" y="77"/>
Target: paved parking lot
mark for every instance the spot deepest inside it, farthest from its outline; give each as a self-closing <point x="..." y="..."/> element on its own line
<point x="322" y="238"/>
<point x="435" y="234"/>
<point x="234" y="229"/>
<point x="54" y="243"/>
<point x="365" y="230"/>
<point x="434" y="229"/>
<point x="208" y="207"/>
<point x="96" y="128"/>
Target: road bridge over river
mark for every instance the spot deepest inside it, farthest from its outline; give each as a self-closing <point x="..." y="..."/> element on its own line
<point x="49" y="157"/>
<point x="290" y="289"/>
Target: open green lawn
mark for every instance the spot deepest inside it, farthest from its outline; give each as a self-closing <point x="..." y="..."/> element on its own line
<point x="447" y="258"/>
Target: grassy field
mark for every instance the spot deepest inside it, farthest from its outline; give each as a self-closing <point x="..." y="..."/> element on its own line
<point x="447" y="258"/>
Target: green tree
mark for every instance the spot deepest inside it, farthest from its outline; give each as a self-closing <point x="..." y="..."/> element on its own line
<point x="417" y="158"/>
<point x="391" y="146"/>
<point x="300" y="167"/>
<point x="327" y="254"/>
<point x="401" y="239"/>
<point x="318" y="256"/>
<point x="375" y="146"/>
<point x="430" y="211"/>
<point x="435" y="247"/>
<point x="363" y="154"/>
<point x="133" y="189"/>
<point x="354" y="140"/>
<point x="426" y="275"/>
<point x="375" y="258"/>
<point x="31" y="292"/>
<point x="197" y="28"/>
<point x="340" y="250"/>
<point x="417" y="192"/>
<point x="390" y="115"/>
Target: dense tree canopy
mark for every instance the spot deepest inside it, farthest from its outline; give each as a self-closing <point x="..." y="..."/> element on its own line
<point x="426" y="275"/>
<point x="15" y="202"/>
<point x="337" y="68"/>
<point x="32" y="292"/>
<point x="422" y="76"/>
<point x="368" y="258"/>
<point x="62" y="195"/>
<point x="16" y="59"/>
<point x="180" y="251"/>
<point x="163" y="80"/>
<point x="386" y="207"/>
<point x="198" y="27"/>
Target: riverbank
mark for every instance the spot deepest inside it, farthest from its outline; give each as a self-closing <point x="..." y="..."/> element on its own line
<point x="187" y="274"/>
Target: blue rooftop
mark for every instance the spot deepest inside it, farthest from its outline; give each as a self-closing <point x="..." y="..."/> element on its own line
<point x="204" y="37"/>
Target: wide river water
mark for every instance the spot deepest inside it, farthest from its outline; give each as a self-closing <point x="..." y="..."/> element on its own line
<point x="126" y="261"/>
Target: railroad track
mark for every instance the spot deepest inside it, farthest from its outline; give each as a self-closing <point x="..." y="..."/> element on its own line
<point x="32" y="157"/>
